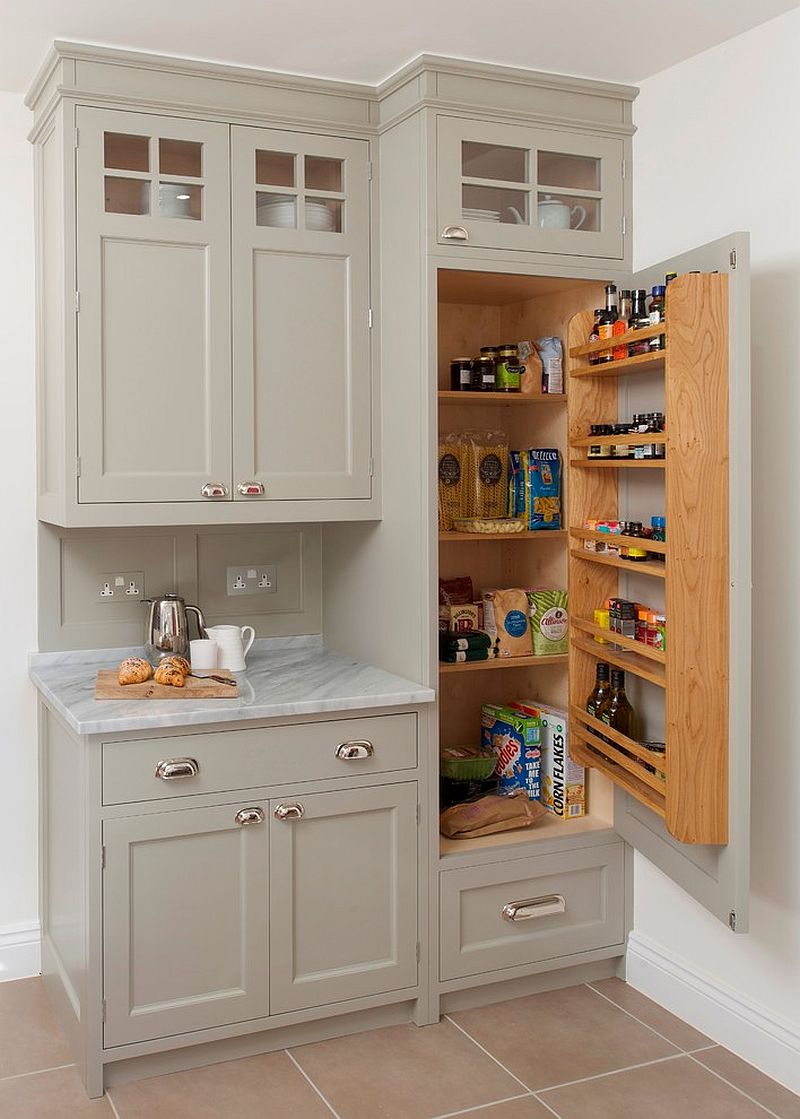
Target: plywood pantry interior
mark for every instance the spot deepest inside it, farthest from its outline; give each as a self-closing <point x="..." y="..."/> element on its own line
<point x="680" y="697"/>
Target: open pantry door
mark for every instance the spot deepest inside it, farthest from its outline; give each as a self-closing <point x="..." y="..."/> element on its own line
<point x="716" y="876"/>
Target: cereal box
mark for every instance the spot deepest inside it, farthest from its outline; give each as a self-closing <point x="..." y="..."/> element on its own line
<point x="563" y="781"/>
<point x="514" y="738"/>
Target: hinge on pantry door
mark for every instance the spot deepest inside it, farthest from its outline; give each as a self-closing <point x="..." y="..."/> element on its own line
<point x="77" y="137"/>
<point x="77" y="302"/>
<point x="418" y="952"/>
<point x="419" y="814"/>
<point x="732" y="920"/>
<point x="624" y="225"/>
<point x="369" y="170"/>
<point x="372" y="468"/>
<point x="622" y="169"/>
<point x="103" y="848"/>
<point x="732" y="259"/>
<point x="103" y="1011"/>
<point x="77" y="475"/>
<point x="369" y="318"/>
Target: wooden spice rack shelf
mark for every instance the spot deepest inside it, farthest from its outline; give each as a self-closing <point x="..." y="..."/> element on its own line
<point x="639" y="567"/>
<point x="503" y="662"/>
<point x="502" y="537"/>
<point x="658" y="546"/>
<point x="452" y="397"/>
<point x="693" y="675"/>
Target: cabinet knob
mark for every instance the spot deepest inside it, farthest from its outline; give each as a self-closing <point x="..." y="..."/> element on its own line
<point x="170" y="769"/>
<point x="249" y="816"/>
<point x="545" y="906"/>
<point x="454" y="233"/>
<point x="251" y="489"/>
<point x="289" y="812"/>
<point x="214" y="489"/>
<point x="350" y="751"/>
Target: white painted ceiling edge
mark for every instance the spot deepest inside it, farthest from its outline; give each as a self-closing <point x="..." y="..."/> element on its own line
<point x="364" y="42"/>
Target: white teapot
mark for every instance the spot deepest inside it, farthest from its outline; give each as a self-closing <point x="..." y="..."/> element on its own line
<point x="554" y="214"/>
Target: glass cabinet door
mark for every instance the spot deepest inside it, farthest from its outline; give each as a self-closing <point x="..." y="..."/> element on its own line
<point x="515" y="187"/>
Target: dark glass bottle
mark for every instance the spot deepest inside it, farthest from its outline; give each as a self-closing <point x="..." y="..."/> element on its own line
<point x="617" y="712"/>
<point x="639" y="318"/>
<point x="595" y="332"/>
<point x="605" y="324"/>
<point x="621" y="325"/>
<point x="601" y="691"/>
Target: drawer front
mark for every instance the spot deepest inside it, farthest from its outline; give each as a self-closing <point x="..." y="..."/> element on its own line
<point x="190" y="764"/>
<point x="510" y="914"/>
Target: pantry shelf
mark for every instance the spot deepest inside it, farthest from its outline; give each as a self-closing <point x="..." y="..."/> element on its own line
<point x="645" y="334"/>
<point x="626" y="642"/>
<point x="580" y="740"/>
<point x="503" y="662"/>
<point x="641" y="363"/>
<point x="618" y="463"/>
<point x="630" y="662"/>
<point x="452" y="397"/>
<point x="658" y="437"/>
<point x="502" y="537"/>
<point x="627" y="752"/>
<point x="640" y="567"/>
<point x="658" y="546"/>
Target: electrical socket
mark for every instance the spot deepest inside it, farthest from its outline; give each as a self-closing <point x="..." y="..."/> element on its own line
<point x="251" y="578"/>
<point x="121" y="586"/>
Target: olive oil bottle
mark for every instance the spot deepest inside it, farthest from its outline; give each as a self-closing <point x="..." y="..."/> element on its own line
<point x="602" y="690"/>
<point x="616" y="711"/>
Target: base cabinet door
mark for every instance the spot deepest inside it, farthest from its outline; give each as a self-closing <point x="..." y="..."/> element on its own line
<point x="343" y="901"/>
<point x="185" y="921"/>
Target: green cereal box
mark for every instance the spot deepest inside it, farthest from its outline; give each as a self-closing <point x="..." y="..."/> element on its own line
<point x="563" y="781"/>
<point x="549" y="619"/>
<point x="513" y="736"/>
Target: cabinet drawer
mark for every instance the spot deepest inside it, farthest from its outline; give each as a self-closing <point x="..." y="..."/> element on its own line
<point x="242" y="759"/>
<point x="575" y="902"/>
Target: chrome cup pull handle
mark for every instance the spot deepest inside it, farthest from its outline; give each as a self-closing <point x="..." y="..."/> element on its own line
<point x="289" y="812"/>
<point x="351" y="751"/>
<point x="251" y="489"/>
<point x="545" y="906"/>
<point x="250" y="816"/>
<point x="454" y="233"/>
<point x="214" y="489"/>
<point x="170" y="769"/>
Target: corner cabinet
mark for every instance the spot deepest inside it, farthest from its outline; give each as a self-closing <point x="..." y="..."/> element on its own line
<point x="518" y="187"/>
<point x="222" y="325"/>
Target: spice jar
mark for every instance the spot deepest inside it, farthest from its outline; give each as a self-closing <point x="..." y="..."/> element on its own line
<point x="484" y="377"/>
<point x="657" y="314"/>
<point x="508" y="370"/>
<point x="621" y="449"/>
<point x="461" y="374"/>
<point x="594" y="448"/>
<point x="594" y="334"/>
<point x="638" y="555"/>
<point x="639" y="318"/>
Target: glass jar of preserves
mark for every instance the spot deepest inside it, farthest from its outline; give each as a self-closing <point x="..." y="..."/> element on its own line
<point x="484" y="377"/>
<point x="508" y="370"/>
<point x="461" y="374"/>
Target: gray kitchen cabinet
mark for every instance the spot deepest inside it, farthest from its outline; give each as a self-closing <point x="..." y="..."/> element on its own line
<point x="524" y="187"/>
<point x="153" y="276"/>
<point x="185" y="921"/>
<point x="301" y="316"/>
<point x="342" y="862"/>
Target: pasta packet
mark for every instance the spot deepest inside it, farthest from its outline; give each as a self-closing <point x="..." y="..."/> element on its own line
<point x="544" y="488"/>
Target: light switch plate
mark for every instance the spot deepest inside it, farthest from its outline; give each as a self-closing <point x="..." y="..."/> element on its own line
<point x="251" y="578"/>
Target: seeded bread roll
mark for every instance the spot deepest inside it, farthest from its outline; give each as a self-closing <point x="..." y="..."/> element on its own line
<point x="134" y="670"/>
<point x="178" y="662"/>
<point x="170" y="675"/>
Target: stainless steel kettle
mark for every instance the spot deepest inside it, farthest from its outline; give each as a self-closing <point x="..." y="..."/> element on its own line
<point x="167" y="630"/>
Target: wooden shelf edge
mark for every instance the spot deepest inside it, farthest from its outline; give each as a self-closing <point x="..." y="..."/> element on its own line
<point x="449" y="396"/>
<point x="642" y="567"/>
<point x="503" y="662"/>
<point x="626" y="642"/>
<point x="632" y="440"/>
<point x="640" y="363"/>
<point x="658" y="546"/>
<point x="541" y="534"/>
<point x="618" y="741"/>
<point x="619" y="463"/>
<point x="642" y="335"/>
<point x="630" y="662"/>
<point x="581" y="754"/>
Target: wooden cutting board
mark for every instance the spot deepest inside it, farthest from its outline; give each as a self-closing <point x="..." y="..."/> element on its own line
<point x="109" y="687"/>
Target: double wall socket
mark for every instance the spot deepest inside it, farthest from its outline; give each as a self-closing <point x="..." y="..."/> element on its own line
<point x="251" y="579"/>
<point x="121" y="586"/>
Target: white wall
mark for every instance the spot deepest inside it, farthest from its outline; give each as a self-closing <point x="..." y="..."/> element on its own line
<point x="717" y="150"/>
<point x="18" y="891"/>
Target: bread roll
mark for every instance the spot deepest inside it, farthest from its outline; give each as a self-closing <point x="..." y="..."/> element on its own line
<point x="134" y="670"/>
<point x="170" y="675"/>
<point x="178" y="662"/>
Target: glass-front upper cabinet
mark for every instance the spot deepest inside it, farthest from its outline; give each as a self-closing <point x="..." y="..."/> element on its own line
<point x="534" y="189"/>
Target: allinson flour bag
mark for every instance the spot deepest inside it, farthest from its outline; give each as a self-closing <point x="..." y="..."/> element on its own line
<point x="549" y="622"/>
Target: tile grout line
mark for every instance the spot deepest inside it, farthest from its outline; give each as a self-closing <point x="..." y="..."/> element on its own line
<point x="488" y="1054"/>
<point x="113" y="1106"/>
<point x="482" y="1106"/>
<point x="305" y="1075"/>
<point x="741" y="1091"/>
<point x="639" y="1020"/>
<point x="611" y="1072"/>
<point x="36" y="1072"/>
<point x="544" y="1103"/>
<point x="704" y="1049"/>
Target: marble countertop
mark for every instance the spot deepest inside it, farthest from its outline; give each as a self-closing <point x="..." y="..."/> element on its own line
<point x="284" y="677"/>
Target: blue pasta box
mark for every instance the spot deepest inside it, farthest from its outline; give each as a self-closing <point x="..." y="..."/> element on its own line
<point x="513" y="737"/>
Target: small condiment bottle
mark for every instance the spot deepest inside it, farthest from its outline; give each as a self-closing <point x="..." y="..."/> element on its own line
<point x="670" y="276"/>
<point x="621" y="325"/>
<point x="461" y="374"/>
<point x="657" y="313"/>
<point x="639" y="318"/>
<point x="601" y="619"/>
<point x="636" y="554"/>
<point x="622" y="449"/>
<point x="594" y="448"/>
<point x="641" y="626"/>
<point x="594" y="333"/>
<point x="606" y="449"/>
<point x="660" y="637"/>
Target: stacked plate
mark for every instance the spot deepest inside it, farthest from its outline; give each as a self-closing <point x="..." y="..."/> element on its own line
<point x="473" y="214"/>
<point x="280" y="213"/>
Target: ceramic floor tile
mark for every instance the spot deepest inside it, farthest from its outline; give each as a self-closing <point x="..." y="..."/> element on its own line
<point x="30" y="1038"/>
<point x="672" y="1028"/>
<point x="50" y="1095"/>
<point x="661" y="1091"/>
<point x="404" y="1073"/>
<point x="559" y="1036"/>
<point x="750" y="1080"/>
<point x="255" y="1086"/>
<point x="528" y="1108"/>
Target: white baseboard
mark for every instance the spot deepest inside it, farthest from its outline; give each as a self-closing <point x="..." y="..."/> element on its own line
<point x="729" y="1018"/>
<point x="20" y="950"/>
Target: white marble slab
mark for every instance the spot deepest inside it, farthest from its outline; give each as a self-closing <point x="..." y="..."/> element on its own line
<point x="284" y="677"/>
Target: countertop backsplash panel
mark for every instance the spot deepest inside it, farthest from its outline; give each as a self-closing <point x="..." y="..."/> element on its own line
<point x="191" y="561"/>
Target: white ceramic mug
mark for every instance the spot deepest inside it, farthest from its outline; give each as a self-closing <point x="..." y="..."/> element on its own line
<point x="204" y="653"/>
<point x="232" y="647"/>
